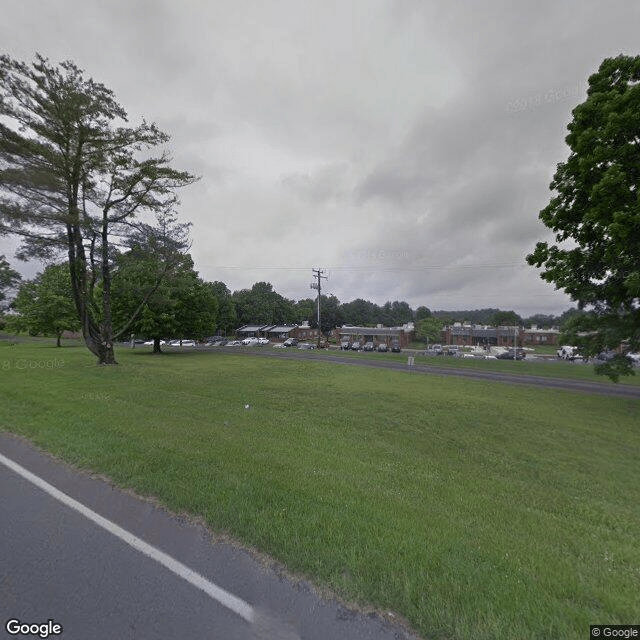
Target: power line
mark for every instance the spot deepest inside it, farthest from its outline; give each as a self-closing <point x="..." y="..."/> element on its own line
<point x="373" y="268"/>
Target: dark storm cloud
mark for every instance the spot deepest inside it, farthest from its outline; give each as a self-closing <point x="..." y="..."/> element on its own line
<point x="406" y="146"/>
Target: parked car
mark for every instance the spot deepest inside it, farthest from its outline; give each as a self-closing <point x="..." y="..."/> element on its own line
<point x="234" y="343"/>
<point x="250" y="342"/>
<point x="263" y="341"/>
<point x="355" y="346"/>
<point x="382" y="347"/>
<point x="279" y="345"/>
<point x="634" y="357"/>
<point x="395" y="347"/>
<point x="219" y="343"/>
<point x="290" y="342"/>
<point x="568" y="352"/>
<point x="306" y="345"/>
<point x="511" y="354"/>
<point x="369" y="346"/>
<point x="345" y="345"/>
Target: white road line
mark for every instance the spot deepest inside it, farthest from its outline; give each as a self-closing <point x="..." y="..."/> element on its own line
<point x="225" y="598"/>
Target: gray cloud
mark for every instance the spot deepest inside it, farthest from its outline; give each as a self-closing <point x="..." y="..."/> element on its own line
<point x="404" y="145"/>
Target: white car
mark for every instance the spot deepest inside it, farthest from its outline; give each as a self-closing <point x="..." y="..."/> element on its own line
<point x="568" y="352"/>
<point x="250" y="342"/>
<point x="263" y="341"/>
<point x="635" y="358"/>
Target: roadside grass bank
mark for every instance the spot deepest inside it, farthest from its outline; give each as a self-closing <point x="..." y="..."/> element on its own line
<point x="475" y="510"/>
<point x="547" y="369"/>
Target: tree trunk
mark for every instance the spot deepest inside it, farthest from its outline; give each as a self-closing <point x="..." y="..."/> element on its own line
<point x="156" y="345"/>
<point x="58" y="339"/>
<point x="106" y="354"/>
<point x="101" y="348"/>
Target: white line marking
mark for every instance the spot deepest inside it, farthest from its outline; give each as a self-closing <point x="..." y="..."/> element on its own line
<point x="225" y="598"/>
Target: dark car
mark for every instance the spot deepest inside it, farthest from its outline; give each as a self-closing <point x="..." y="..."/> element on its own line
<point x="518" y="354"/>
<point x="369" y="346"/>
<point x="290" y="342"/>
<point x="395" y="348"/>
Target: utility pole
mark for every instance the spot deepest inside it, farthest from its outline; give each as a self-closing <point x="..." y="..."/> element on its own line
<point x="317" y="273"/>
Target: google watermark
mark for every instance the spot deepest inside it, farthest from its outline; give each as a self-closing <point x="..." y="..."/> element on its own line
<point x="24" y="364"/>
<point x="614" y="631"/>
<point x="15" y="627"/>
<point x="550" y="96"/>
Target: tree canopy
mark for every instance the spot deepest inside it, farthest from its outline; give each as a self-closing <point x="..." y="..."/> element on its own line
<point x="9" y="279"/>
<point x="176" y="302"/>
<point x="429" y="329"/>
<point x="45" y="304"/>
<point x="595" y="215"/>
<point x="75" y="179"/>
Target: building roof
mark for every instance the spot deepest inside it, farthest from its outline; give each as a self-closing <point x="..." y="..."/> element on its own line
<point x="281" y="328"/>
<point x="253" y="327"/>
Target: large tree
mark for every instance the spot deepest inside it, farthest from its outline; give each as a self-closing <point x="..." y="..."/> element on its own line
<point x="505" y="319"/>
<point x="429" y="329"/>
<point x="9" y="279"/>
<point x="177" y="303"/>
<point x="75" y="179"/>
<point x="227" y="316"/>
<point x="595" y="215"/>
<point x="45" y="304"/>
<point x="262" y="304"/>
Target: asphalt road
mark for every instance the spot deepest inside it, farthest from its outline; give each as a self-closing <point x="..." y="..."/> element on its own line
<point x="57" y="564"/>
<point x="602" y="388"/>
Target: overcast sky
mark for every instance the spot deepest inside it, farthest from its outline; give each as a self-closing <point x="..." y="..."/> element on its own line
<point x="405" y="146"/>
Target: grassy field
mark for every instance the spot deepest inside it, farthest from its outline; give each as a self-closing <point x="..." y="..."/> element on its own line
<point x="553" y="368"/>
<point x="475" y="510"/>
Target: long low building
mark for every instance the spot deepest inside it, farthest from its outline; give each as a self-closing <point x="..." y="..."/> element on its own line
<point x="487" y="336"/>
<point x="378" y="335"/>
<point x="278" y="333"/>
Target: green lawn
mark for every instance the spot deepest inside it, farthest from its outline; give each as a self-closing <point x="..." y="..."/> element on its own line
<point x="475" y="510"/>
<point x="552" y="368"/>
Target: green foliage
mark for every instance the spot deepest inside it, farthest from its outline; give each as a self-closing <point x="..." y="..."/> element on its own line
<point x="45" y="304"/>
<point x="177" y="303"/>
<point x="227" y="316"/>
<point x="505" y="319"/>
<point x="422" y="312"/>
<point x="9" y="279"/>
<point x="428" y="329"/>
<point x="595" y="212"/>
<point x="475" y="316"/>
<point x="261" y="304"/>
<point x="541" y="320"/>
<point x="72" y="178"/>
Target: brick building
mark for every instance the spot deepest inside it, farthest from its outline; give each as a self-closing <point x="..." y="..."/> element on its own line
<point x="487" y="336"/>
<point x="278" y="333"/>
<point x="378" y="335"/>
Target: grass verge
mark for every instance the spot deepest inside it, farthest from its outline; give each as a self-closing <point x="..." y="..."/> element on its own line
<point x="475" y="510"/>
